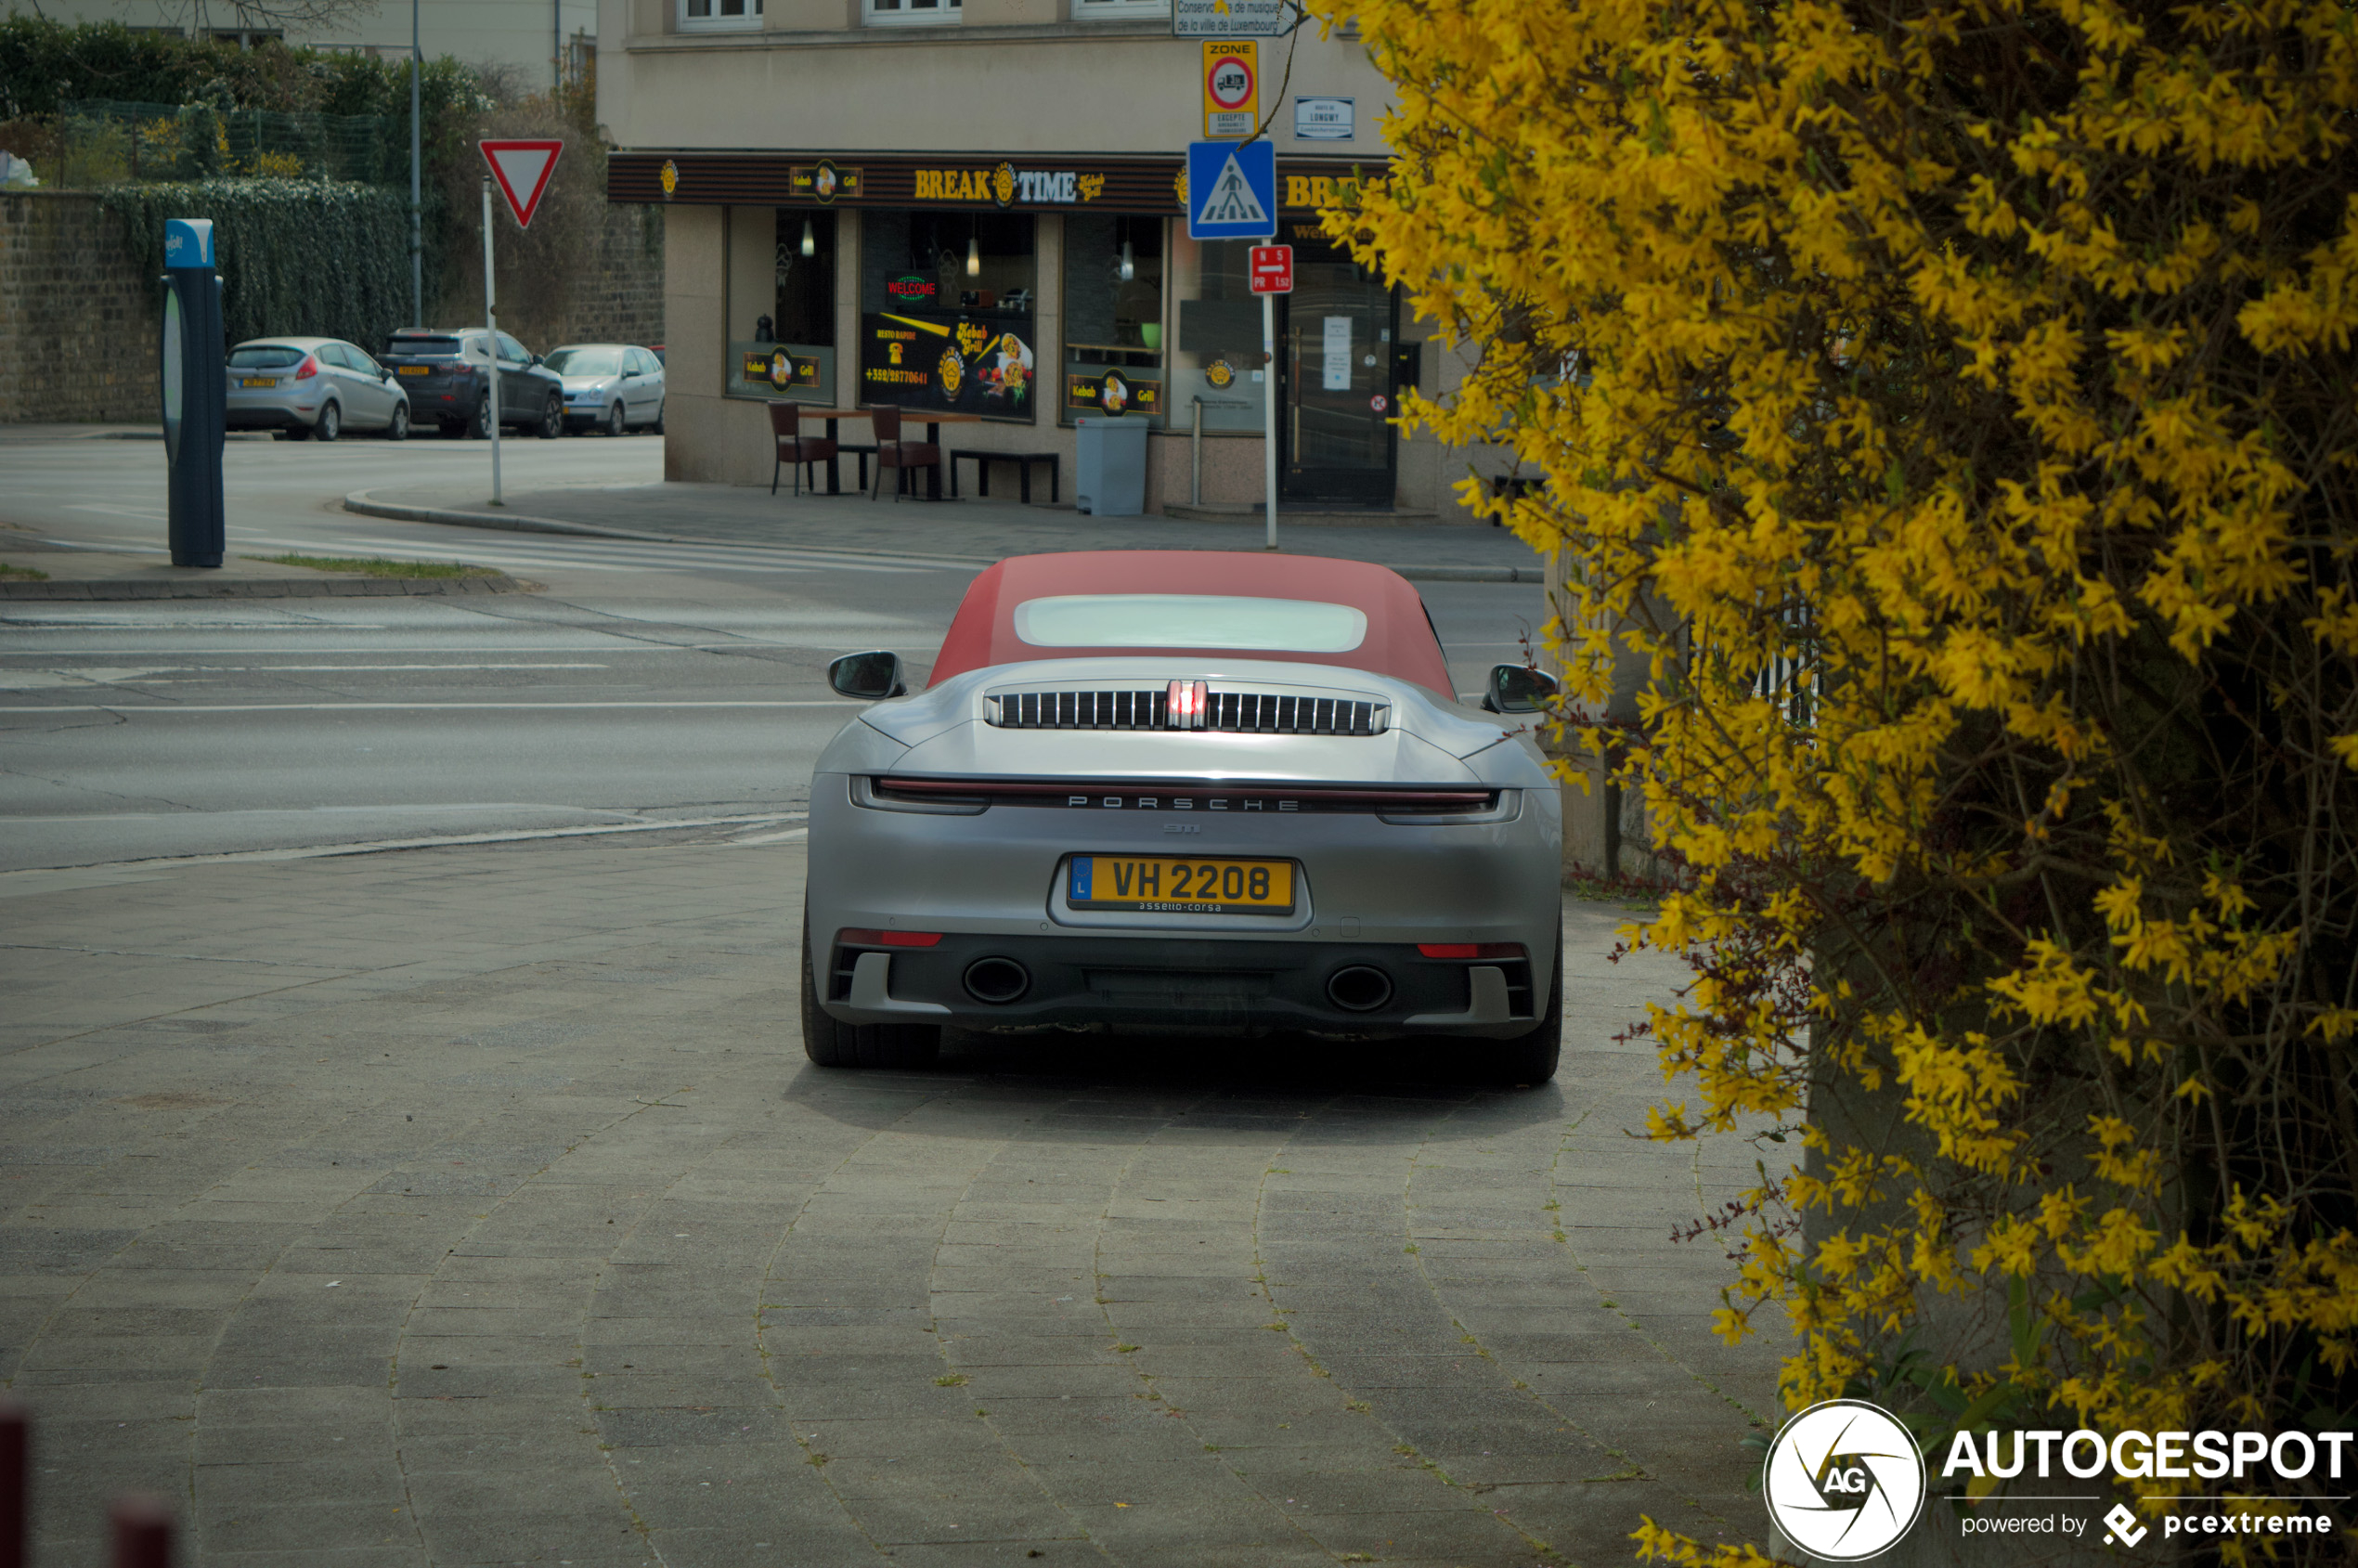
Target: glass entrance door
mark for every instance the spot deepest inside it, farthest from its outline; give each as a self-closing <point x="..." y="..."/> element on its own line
<point x="1334" y="440"/>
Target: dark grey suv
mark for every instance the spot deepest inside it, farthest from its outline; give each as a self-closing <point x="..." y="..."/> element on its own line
<point x="447" y="378"/>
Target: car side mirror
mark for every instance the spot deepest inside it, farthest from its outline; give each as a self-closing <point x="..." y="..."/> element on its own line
<point x="536" y="359"/>
<point x="1516" y="688"/>
<point x="868" y="677"/>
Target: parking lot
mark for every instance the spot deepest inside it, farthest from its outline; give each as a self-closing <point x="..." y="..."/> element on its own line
<point x="476" y="1205"/>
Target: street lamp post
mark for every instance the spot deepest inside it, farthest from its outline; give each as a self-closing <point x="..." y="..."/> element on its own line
<point x="417" y="234"/>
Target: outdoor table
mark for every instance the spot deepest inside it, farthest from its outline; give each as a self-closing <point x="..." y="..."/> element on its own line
<point x="934" y="419"/>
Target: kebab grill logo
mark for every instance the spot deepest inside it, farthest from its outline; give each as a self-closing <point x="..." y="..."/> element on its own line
<point x="1844" y="1480"/>
<point x="670" y="178"/>
<point x="1220" y="372"/>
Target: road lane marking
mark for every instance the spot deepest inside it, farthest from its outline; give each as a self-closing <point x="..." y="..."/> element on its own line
<point x="164" y="863"/>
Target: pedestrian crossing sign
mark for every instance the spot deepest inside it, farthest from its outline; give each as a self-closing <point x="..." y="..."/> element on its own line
<point x="1231" y="190"/>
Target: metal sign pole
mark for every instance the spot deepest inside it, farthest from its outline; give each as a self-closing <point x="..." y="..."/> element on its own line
<point x="491" y="325"/>
<point x="1269" y="412"/>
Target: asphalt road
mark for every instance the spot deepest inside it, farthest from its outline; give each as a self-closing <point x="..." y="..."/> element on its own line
<point x="649" y="685"/>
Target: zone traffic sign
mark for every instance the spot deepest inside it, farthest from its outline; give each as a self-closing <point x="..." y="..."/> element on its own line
<point x="1270" y="269"/>
<point x="1231" y="190"/>
<point x="1231" y="88"/>
<point x="523" y="169"/>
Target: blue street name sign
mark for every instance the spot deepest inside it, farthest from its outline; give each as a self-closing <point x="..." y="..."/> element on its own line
<point x="1231" y="190"/>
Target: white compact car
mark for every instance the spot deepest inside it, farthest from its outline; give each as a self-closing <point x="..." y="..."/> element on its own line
<point x="1200" y="791"/>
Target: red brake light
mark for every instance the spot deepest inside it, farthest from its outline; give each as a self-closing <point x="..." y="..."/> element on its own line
<point x="309" y="368"/>
<point x="858" y="938"/>
<point x="1470" y="949"/>
<point x="1186" y="701"/>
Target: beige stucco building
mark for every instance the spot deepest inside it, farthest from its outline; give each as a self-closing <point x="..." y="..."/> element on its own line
<point x="977" y="208"/>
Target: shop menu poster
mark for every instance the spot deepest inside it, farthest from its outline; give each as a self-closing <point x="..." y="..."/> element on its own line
<point x="966" y="364"/>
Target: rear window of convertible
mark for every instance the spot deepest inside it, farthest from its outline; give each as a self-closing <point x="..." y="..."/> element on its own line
<point x="1189" y="620"/>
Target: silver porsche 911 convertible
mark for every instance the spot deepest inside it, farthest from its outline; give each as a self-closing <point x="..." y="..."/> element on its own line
<point x="1151" y="792"/>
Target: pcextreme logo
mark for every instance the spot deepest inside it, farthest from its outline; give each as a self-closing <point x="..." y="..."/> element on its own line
<point x="1844" y="1480"/>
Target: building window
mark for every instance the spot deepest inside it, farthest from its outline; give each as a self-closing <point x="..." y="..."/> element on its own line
<point x="1107" y="10"/>
<point x="782" y="303"/>
<point x="1217" y="359"/>
<point x="907" y="13"/>
<point x="946" y="321"/>
<point x="698" y="15"/>
<point x="1113" y="359"/>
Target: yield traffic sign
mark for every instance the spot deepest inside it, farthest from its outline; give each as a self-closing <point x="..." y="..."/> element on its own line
<point x="1271" y="270"/>
<point x="1231" y="88"/>
<point x="1231" y="190"/>
<point x="522" y="167"/>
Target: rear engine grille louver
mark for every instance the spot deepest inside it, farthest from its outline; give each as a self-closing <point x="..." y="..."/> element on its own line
<point x="1252" y="713"/>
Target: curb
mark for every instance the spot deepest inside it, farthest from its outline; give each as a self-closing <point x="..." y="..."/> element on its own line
<point x="257" y="588"/>
<point x="362" y="504"/>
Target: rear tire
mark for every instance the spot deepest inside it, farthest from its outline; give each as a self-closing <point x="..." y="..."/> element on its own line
<point x="657" y="426"/>
<point x="553" y="418"/>
<point x="1529" y="1060"/>
<point x="330" y="423"/>
<point x="832" y="1044"/>
<point x="614" y="421"/>
<point x="479" y="424"/>
<point x="399" y="429"/>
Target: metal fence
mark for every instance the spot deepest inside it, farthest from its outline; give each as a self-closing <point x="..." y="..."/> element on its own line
<point x="105" y="142"/>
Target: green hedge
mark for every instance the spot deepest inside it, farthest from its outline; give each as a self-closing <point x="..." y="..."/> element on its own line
<point x="299" y="258"/>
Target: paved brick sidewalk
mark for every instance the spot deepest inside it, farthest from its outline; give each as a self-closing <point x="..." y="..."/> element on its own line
<point x="476" y="1206"/>
<point x="982" y="529"/>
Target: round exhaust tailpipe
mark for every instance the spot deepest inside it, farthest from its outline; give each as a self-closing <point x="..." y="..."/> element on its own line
<point x="997" y="979"/>
<point x="1359" y="989"/>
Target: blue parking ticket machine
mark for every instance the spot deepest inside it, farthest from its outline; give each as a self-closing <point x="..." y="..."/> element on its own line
<point x="196" y="392"/>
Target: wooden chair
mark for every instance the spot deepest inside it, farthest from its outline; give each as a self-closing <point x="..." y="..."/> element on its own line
<point x="803" y="452"/>
<point x="895" y="453"/>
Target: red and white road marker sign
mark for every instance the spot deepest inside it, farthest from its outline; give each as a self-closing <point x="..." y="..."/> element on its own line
<point x="1270" y="270"/>
<point x="522" y="167"/>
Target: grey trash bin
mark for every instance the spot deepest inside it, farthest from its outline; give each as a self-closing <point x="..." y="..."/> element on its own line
<point x="1112" y="481"/>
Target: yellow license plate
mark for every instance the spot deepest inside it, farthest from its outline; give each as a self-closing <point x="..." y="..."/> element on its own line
<point x="1180" y="887"/>
<point x="260" y="381"/>
<point x="417" y="370"/>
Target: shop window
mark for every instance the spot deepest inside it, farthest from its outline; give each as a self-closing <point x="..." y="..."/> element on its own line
<point x="1216" y="360"/>
<point x="946" y="312"/>
<point x="782" y="304"/>
<point x="1113" y="350"/>
<point x="697" y="15"/>
<point x="902" y="13"/>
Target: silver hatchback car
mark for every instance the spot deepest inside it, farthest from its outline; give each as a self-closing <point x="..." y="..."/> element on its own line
<point x="303" y="387"/>
<point x="610" y="386"/>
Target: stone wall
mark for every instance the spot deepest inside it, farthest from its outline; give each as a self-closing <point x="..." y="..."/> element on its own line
<point x="78" y="323"/>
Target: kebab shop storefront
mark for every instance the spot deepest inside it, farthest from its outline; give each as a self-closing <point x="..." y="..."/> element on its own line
<point x="1027" y="291"/>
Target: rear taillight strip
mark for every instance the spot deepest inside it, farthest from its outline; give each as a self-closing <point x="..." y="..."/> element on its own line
<point x="1135" y="794"/>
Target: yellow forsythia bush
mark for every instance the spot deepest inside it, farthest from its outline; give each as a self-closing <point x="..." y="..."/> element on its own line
<point x="1954" y="400"/>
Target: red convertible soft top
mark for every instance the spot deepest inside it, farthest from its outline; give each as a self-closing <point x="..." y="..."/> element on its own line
<point x="1399" y="640"/>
